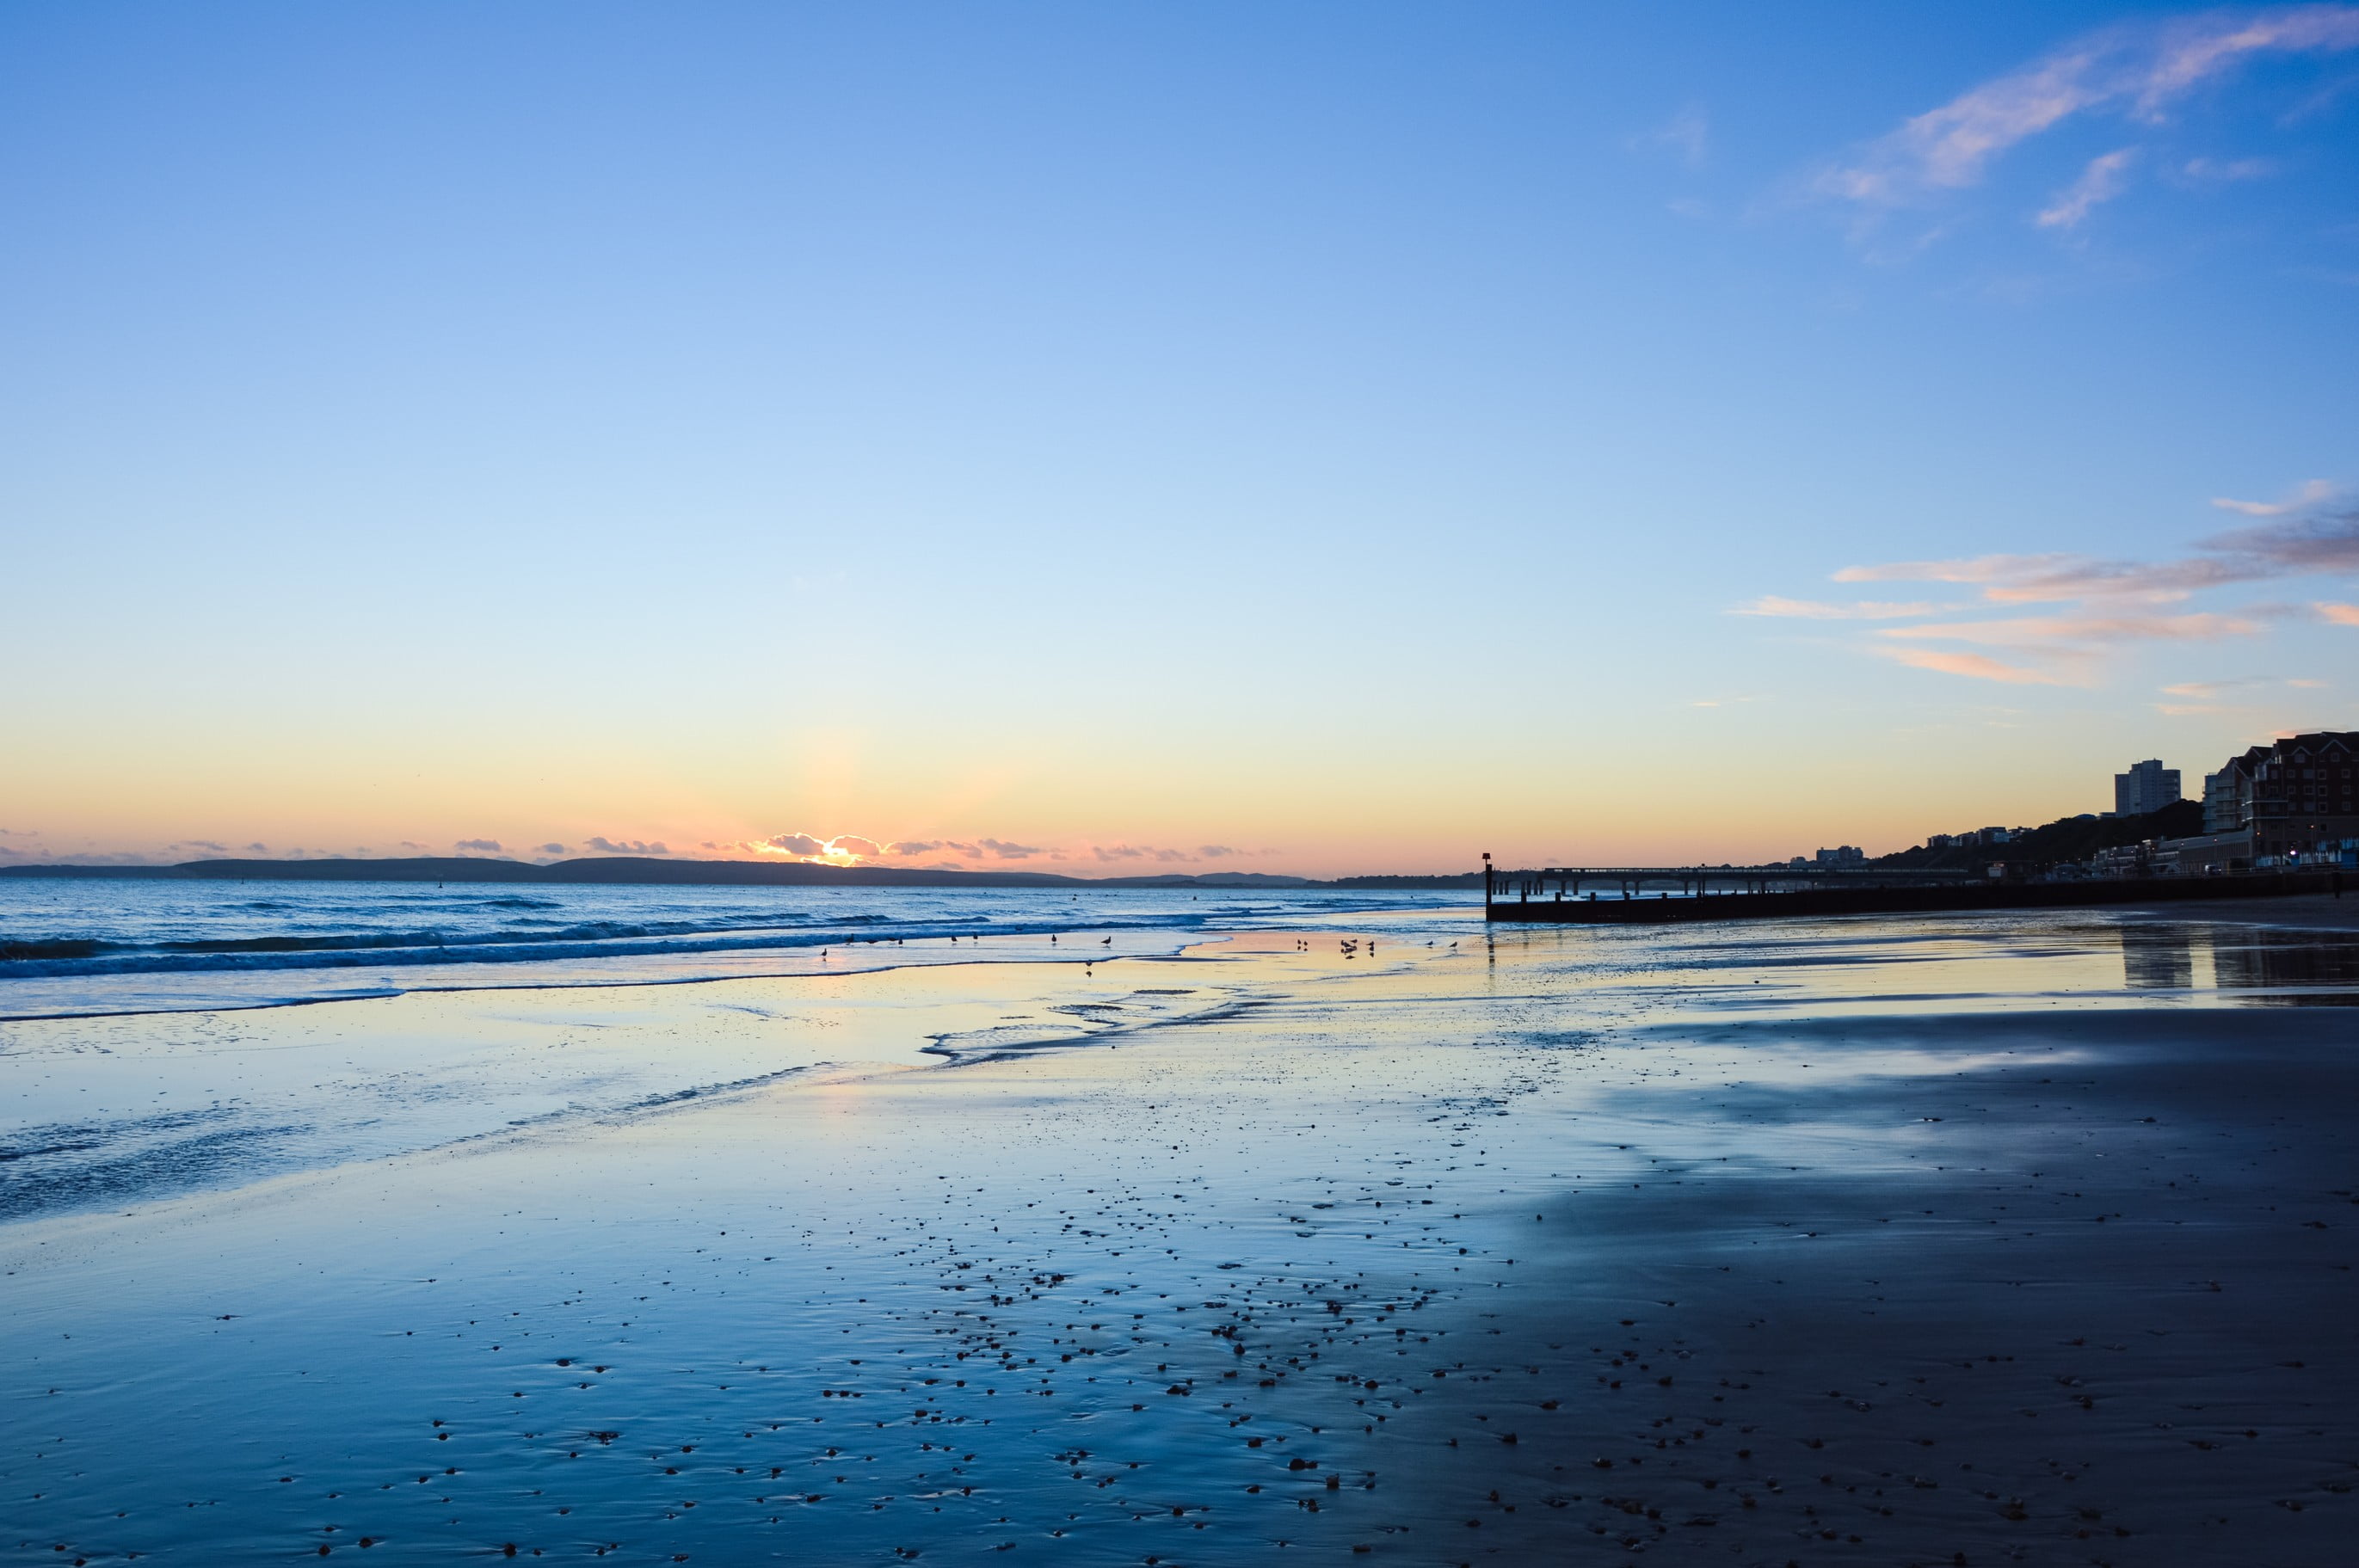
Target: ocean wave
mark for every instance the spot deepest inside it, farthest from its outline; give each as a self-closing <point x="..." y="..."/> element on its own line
<point x="361" y="941"/>
<point x="42" y="950"/>
<point x="28" y="956"/>
<point x="151" y="947"/>
<point x="601" y="940"/>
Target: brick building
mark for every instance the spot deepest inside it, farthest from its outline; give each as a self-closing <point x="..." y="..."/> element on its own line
<point x="2299" y="796"/>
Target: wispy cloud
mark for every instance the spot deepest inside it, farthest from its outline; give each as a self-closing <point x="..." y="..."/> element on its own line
<point x="2200" y="48"/>
<point x="2053" y="578"/>
<point x="2102" y="603"/>
<point x="2205" y="690"/>
<point x="2226" y="171"/>
<point x="2049" y="630"/>
<point x="1138" y="852"/>
<point x="2199" y="697"/>
<point x="1980" y="667"/>
<point x="2307" y="496"/>
<point x="2131" y="71"/>
<point x="2104" y="179"/>
<point x="548" y="849"/>
<point x="1811" y="610"/>
<point x="1687" y="132"/>
<point x="486" y="846"/>
<point x="625" y="846"/>
<point x="2316" y="546"/>
<point x="846" y="847"/>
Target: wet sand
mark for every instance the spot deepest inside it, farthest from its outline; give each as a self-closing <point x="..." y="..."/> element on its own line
<point x="2021" y="1239"/>
<point x="2314" y="913"/>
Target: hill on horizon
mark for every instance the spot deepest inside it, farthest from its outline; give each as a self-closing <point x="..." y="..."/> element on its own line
<point x="646" y="870"/>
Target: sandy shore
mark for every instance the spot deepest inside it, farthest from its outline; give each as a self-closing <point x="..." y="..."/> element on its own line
<point x="2018" y="1240"/>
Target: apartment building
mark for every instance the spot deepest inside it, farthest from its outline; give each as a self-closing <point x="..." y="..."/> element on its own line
<point x="2298" y="796"/>
<point x="2147" y="786"/>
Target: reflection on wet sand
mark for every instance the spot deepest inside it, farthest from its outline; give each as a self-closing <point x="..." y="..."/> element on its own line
<point x="2160" y="958"/>
<point x="2266" y="966"/>
<point x="2298" y="969"/>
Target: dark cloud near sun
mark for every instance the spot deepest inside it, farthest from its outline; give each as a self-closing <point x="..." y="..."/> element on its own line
<point x="793" y="844"/>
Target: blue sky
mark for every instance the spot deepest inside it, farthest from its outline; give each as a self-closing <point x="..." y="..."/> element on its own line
<point x="1350" y="436"/>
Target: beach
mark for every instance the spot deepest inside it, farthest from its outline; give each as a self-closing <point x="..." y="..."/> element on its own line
<point x="1982" y="1240"/>
<point x="1180" y="786"/>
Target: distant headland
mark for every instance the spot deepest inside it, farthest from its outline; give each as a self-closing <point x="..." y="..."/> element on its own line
<point x="710" y="873"/>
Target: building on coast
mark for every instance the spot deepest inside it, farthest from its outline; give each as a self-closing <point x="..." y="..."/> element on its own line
<point x="2205" y="854"/>
<point x="2123" y="860"/>
<point x="2147" y="786"/>
<point x="2297" y="799"/>
<point x="2225" y="795"/>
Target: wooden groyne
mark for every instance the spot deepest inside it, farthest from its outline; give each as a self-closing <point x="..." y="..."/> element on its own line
<point x="1823" y="900"/>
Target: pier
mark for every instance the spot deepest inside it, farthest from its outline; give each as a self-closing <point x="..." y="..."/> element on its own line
<point x="1654" y="895"/>
<point x="1566" y="883"/>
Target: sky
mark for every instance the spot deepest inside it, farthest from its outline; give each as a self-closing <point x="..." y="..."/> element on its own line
<point x="1303" y="439"/>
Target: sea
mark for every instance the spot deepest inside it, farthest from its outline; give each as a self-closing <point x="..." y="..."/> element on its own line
<point x="160" y="1037"/>
<point x="103" y="945"/>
